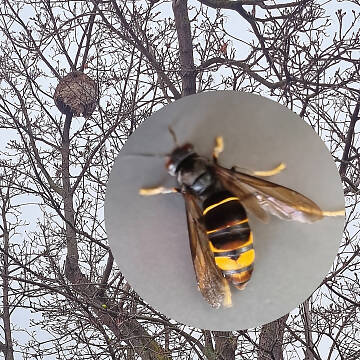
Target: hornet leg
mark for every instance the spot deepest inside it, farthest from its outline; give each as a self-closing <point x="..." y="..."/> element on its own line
<point x="271" y="172"/>
<point x="265" y="173"/>
<point x="334" y="213"/>
<point x="158" y="190"/>
<point x="218" y="148"/>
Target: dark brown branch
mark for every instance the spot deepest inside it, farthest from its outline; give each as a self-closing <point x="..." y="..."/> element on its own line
<point x="7" y="348"/>
<point x="39" y="52"/>
<point x="349" y="136"/>
<point x="134" y="41"/>
<point x="108" y="270"/>
<point x="182" y="23"/>
<point x="242" y="65"/>
<point x="357" y="304"/>
<point x="238" y="7"/>
<point x="59" y="38"/>
<point x="87" y="33"/>
<point x="29" y="132"/>
<point x="308" y="331"/>
<point x="232" y="5"/>
<point x="298" y="338"/>
<point x="104" y="138"/>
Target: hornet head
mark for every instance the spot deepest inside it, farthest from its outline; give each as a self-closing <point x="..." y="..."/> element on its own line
<point x="177" y="156"/>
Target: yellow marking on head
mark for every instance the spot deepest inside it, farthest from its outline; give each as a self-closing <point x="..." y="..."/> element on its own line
<point x="271" y="172"/>
<point x="231" y="198"/>
<point x="227" y="226"/>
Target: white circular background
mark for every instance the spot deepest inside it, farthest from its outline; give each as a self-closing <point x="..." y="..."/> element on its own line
<point x="148" y="235"/>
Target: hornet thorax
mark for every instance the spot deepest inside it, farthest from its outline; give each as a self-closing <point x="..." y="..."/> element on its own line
<point x="191" y="170"/>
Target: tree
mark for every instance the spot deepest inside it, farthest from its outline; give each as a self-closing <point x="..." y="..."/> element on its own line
<point x="144" y="55"/>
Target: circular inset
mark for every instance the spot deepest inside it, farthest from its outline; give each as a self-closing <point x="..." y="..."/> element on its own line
<point x="149" y="237"/>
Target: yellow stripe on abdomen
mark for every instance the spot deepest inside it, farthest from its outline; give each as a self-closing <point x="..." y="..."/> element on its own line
<point x="243" y="244"/>
<point x="243" y="261"/>
<point x="230" y="237"/>
<point x="210" y="207"/>
<point x="228" y="225"/>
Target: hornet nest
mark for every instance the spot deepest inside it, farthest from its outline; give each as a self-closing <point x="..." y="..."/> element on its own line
<point x="76" y="94"/>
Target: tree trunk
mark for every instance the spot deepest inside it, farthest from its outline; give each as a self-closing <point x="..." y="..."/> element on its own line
<point x="7" y="347"/>
<point x="188" y="75"/>
<point x="225" y="345"/>
<point x="271" y="340"/>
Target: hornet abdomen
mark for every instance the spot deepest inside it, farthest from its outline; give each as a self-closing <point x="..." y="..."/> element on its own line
<point x="230" y="237"/>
